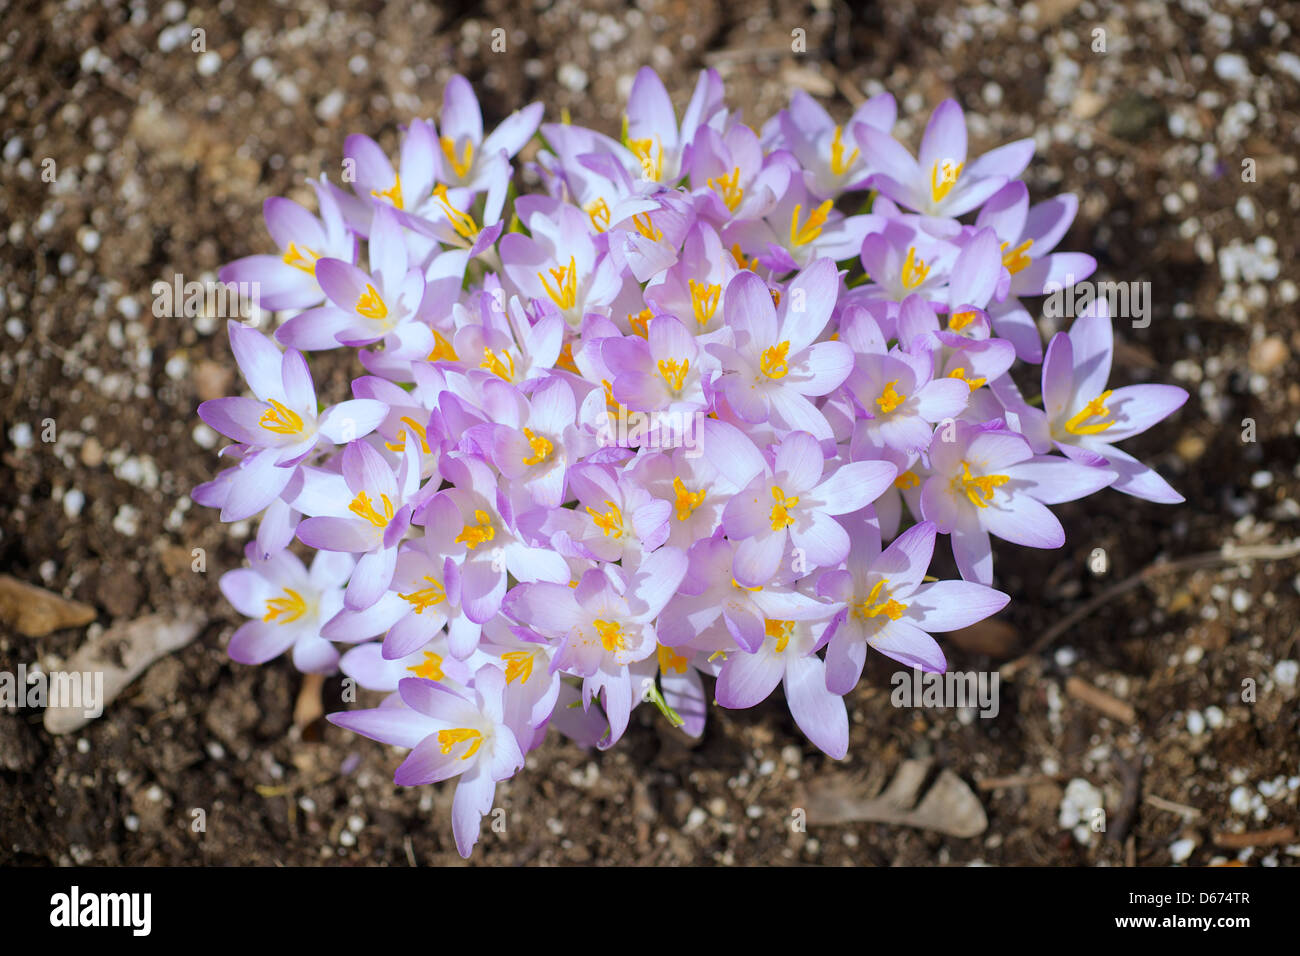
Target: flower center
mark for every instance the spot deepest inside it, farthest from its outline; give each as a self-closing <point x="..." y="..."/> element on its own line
<point x="781" y="517"/>
<point x="687" y="501"/>
<point x="1017" y="258"/>
<point x="812" y="228"/>
<point x="908" y="479"/>
<point x="674" y="372"/>
<point x="292" y="606"/>
<point x="781" y="630"/>
<point x="943" y="176"/>
<point x="978" y="489"/>
<point x="472" y="535"/>
<point x="541" y="446"/>
<point x="442" y="350"/>
<point x="611" y="634"/>
<point x="462" y="222"/>
<point x="840" y="165"/>
<point x="646" y="226"/>
<point x="598" y="212"/>
<point x="371" y="305"/>
<point x="889" y="399"/>
<point x="877" y="605"/>
<point x="914" y="270"/>
<point x="293" y="256"/>
<point x="393" y="193"/>
<point x="611" y="522"/>
<point x="565" y="293"/>
<point x="459" y="165"/>
<point x="775" y="362"/>
<point x="281" y="419"/>
<point x="650" y="153"/>
<point x="1094" y="409"/>
<point x="430" y="668"/>
<point x="492" y="362"/>
<point x="728" y="188"/>
<point x="459" y="735"/>
<point x="960" y="373"/>
<point x="704" y="300"/>
<point x="426" y="597"/>
<point x="672" y="662"/>
<point x="519" y="665"/>
<point x="362" y="507"/>
<point x="400" y="444"/>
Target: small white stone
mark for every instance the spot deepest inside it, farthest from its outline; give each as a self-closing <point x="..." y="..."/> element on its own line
<point x="1261" y="479"/>
<point x="330" y="106"/>
<point x="572" y="77"/>
<point x="209" y="63"/>
<point x="1214" y="717"/>
<point x="1231" y="67"/>
<point x="1195" y="723"/>
<point x="1180" y="850"/>
<point x="127" y="521"/>
<point x="21" y="435"/>
<point x="1286" y="672"/>
<point x="1239" y="800"/>
<point x="73" y="502"/>
<point x="1240" y="600"/>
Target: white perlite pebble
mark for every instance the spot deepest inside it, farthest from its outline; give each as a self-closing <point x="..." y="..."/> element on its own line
<point x="1180" y="850"/>
<point x="1195" y="723"/>
<point x="73" y="502"/>
<point x="1286" y="672"/>
<point x="126" y="521"/>
<point x="1239" y="800"/>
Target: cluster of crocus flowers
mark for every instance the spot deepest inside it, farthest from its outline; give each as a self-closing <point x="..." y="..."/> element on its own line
<point x="689" y="420"/>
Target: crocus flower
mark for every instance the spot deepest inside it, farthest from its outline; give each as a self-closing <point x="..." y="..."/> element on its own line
<point x="827" y="151"/>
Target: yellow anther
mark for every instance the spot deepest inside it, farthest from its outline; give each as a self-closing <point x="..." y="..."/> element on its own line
<point x="442" y="350"/>
<point x="908" y="479"/>
<point x="598" y="212"/>
<point x="781" y="630"/>
<point x="450" y="738"/>
<point x="960" y="373"/>
<point x="840" y="165"/>
<point x="889" y="399"/>
<point x="492" y="362"/>
<point x="565" y="293"/>
<point x="541" y="446"/>
<point x="280" y="419"/>
<point x="674" y="372"/>
<point x="519" y="666"/>
<point x="565" y="361"/>
<point x="640" y="322"/>
<point x="413" y="425"/>
<point x="943" y="176"/>
<point x="611" y="634"/>
<point x="292" y="606"/>
<point x="430" y="668"/>
<point x="670" y="662"/>
<point x="728" y="188"/>
<point x="741" y="261"/>
<point x="362" y="507"/>
<point x="462" y="222"/>
<point x="611" y="522"/>
<point x="393" y="193"/>
<point x="293" y="256"/>
<point x="775" y="361"/>
<point x="781" y="517"/>
<point x="978" y="490"/>
<point x="371" y="305"/>
<point x="687" y="501"/>
<point x="717" y="655"/>
<point x="1017" y="258"/>
<point x="1094" y="409"/>
<point x="914" y="270"/>
<point x="810" y="230"/>
<point x="737" y="584"/>
<point x="704" y="300"/>
<point x="650" y="152"/>
<point x="426" y="597"/>
<point x="875" y="606"/>
<point x="472" y="535"/>
<point x="646" y="226"/>
<point x="459" y="165"/>
<point x="959" y="320"/>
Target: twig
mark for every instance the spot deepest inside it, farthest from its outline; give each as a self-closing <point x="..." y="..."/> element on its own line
<point x="1239" y="841"/>
<point x="1160" y="803"/>
<point x="1098" y="699"/>
<point x="1208" y="559"/>
<point x="1007" y="783"/>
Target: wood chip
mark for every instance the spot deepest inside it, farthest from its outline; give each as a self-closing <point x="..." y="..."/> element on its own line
<point x="35" y="612"/>
<point x="1099" y="700"/>
<point x="1239" y="841"/>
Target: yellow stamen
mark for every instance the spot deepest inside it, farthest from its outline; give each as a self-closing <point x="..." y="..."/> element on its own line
<point x="450" y="738"/>
<point x="293" y="256"/>
<point x="890" y="399"/>
<point x="959" y="320"/>
<point x="940" y="187"/>
<point x="914" y="270"/>
<point x="472" y="535"/>
<point x="775" y="360"/>
<point x="640" y="322"/>
<point x="565" y="293"/>
<point x="362" y="507"/>
<point x="728" y="188"/>
<point x="292" y="606"/>
<point x="672" y="662"/>
<point x="874" y="606"/>
<point x="1017" y="258"/>
<point x="462" y="222"/>
<point x="493" y="364"/>
<point x="541" y="446"/>
<point x="611" y="634"/>
<point x="737" y="584"/>
<point x="781" y="517"/>
<point x="647" y="228"/>
<point x="781" y="630"/>
<point x="674" y="372"/>
<point x="1094" y="409"/>
<point x="960" y="373"/>
<point x="442" y="350"/>
<point x="741" y="261"/>
<point x="393" y="193"/>
<point x="717" y="654"/>
<point x="687" y="501"/>
<point x="426" y="597"/>
<point x="400" y="444"/>
<point x="908" y="479"/>
<point x="519" y="665"/>
<point x="810" y="230"/>
<point x="598" y="212"/>
<point x="430" y="668"/>
<point x="978" y="490"/>
<point x="280" y="419"/>
<point x="611" y="522"/>
<point x="651" y="154"/>
<point x="565" y="361"/>
<point x="704" y="300"/>
<point x="460" y="166"/>
<point x="840" y="165"/>
<point x="371" y="305"/>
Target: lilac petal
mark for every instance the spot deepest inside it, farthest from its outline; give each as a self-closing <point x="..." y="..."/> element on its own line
<point x="1137" y="407"/>
<point x="257" y="642"/>
<point x="1053" y="480"/>
<point x="748" y="679"/>
<point x="910" y="645"/>
<point x="371" y="578"/>
<point x="1023" y="520"/>
<point x="399" y="726"/>
<point x="949" y="605"/>
<point x="820" y="714"/>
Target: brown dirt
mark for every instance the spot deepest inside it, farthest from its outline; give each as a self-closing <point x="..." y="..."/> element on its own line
<point x="163" y="158"/>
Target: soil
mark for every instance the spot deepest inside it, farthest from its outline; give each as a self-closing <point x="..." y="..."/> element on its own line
<point x="162" y="157"/>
